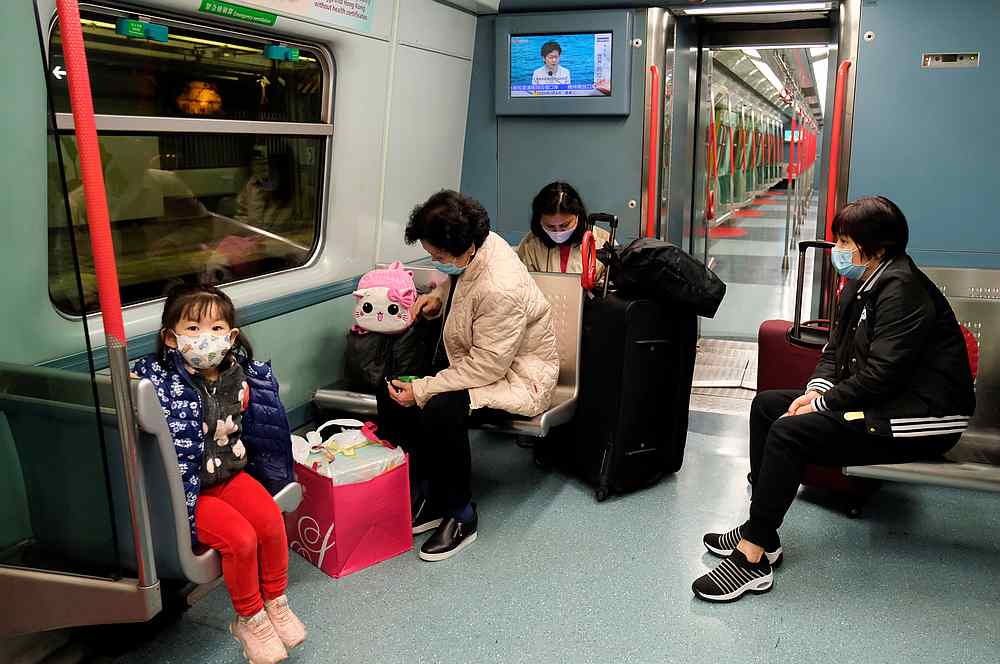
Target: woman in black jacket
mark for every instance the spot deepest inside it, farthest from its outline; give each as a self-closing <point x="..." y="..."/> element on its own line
<point x="892" y="386"/>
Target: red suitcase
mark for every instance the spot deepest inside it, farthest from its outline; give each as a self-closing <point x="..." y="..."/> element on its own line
<point x="787" y="354"/>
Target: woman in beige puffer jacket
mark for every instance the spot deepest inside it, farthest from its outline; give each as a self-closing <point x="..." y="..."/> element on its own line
<point x="497" y="353"/>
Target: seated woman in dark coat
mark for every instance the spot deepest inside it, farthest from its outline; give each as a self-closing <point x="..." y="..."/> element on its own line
<point x="893" y="385"/>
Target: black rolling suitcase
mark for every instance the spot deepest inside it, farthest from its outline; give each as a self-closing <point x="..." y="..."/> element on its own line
<point x="636" y="366"/>
<point x="637" y="363"/>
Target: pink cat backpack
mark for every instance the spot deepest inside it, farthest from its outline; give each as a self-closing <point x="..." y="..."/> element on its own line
<point x="383" y="301"/>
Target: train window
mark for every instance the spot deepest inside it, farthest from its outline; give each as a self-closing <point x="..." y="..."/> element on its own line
<point x="213" y="159"/>
<point x="193" y="74"/>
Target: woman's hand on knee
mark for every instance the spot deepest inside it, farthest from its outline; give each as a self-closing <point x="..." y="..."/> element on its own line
<point x="426" y="306"/>
<point x="804" y="404"/>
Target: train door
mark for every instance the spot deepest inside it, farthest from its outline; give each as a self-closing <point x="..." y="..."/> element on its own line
<point x="761" y="104"/>
<point x="68" y="550"/>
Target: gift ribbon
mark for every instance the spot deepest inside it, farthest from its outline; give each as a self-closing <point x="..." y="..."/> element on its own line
<point x="331" y="449"/>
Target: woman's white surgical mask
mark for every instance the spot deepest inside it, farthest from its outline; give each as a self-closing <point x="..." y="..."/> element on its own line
<point x="203" y="351"/>
<point x="559" y="236"/>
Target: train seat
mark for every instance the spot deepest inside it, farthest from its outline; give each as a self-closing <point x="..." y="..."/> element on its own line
<point x="973" y="464"/>
<point x="48" y="416"/>
<point x="175" y="557"/>
<point x="566" y="297"/>
<point x="976" y="466"/>
<point x="977" y="476"/>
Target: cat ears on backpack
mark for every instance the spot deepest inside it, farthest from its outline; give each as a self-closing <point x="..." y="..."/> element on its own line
<point x="396" y="265"/>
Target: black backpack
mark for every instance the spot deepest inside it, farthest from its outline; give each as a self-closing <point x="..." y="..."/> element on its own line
<point x="660" y="271"/>
<point x="370" y="358"/>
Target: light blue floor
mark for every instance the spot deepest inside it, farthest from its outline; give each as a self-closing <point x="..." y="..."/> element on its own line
<point x="757" y="287"/>
<point x="557" y="577"/>
<point x="745" y="307"/>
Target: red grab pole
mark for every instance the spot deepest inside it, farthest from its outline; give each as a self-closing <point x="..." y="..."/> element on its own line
<point x="95" y="196"/>
<point x="791" y="149"/>
<point x="838" y="112"/>
<point x="713" y="168"/>
<point x="654" y="135"/>
<point x="103" y="250"/>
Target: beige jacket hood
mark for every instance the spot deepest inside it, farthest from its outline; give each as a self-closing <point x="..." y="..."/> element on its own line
<point x="498" y="336"/>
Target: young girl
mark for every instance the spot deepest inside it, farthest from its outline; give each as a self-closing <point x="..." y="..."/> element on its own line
<point x="233" y="450"/>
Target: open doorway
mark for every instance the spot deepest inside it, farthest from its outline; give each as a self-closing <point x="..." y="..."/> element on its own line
<point x="761" y="112"/>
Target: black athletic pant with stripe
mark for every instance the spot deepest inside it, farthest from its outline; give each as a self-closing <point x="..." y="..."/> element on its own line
<point x="781" y="447"/>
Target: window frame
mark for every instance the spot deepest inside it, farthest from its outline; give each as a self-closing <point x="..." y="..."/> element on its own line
<point x="110" y="123"/>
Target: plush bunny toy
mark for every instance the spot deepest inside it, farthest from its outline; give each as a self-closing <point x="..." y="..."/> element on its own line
<point x="383" y="301"/>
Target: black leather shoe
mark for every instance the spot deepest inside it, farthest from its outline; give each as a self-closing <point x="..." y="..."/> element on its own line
<point x="450" y="537"/>
<point x="425" y="517"/>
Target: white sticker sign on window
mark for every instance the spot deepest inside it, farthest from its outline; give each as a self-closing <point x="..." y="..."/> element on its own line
<point x="353" y="14"/>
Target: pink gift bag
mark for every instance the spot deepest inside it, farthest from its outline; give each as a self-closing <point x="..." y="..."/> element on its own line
<point x="343" y="528"/>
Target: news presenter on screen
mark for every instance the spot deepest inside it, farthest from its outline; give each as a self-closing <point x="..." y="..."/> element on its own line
<point x="550" y="73"/>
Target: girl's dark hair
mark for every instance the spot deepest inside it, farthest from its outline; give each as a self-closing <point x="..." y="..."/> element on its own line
<point x="194" y="303"/>
<point x="551" y="47"/>
<point x="873" y="222"/>
<point x="450" y="221"/>
<point x="558" y="198"/>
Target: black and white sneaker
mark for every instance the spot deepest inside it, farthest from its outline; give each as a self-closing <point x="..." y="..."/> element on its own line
<point x="450" y="537"/>
<point x="425" y="517"/>
<point x="723" y="545"/>
<point x="734" y="577"/>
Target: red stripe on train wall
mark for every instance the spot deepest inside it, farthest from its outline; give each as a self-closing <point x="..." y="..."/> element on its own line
<point x="95" y="195"/>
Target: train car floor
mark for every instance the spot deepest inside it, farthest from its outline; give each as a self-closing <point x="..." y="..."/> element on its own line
<point x="747" y="252"/>
<point x="557" y="577"/>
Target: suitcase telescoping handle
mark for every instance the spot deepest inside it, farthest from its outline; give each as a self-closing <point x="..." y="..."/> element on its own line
<point x="803" y="246"/>
<point x="612" y="221"/>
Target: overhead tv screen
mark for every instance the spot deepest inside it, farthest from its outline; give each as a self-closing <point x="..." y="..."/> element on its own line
<point x="561" y="65"/>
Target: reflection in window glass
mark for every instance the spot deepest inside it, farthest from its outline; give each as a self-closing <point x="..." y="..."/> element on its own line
<point x="216" y="221"/>
<point x="194" y="74"/>
<point x="189" y="201"/>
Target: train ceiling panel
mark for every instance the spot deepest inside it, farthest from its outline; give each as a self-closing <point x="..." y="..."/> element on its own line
<point x="477" y="6"/>
<point x="771" y="71"/>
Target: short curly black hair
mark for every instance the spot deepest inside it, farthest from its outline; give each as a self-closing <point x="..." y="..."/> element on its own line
<point x="450" y="221"/>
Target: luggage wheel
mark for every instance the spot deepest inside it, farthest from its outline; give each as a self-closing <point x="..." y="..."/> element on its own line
<point x="601" y="494"/>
